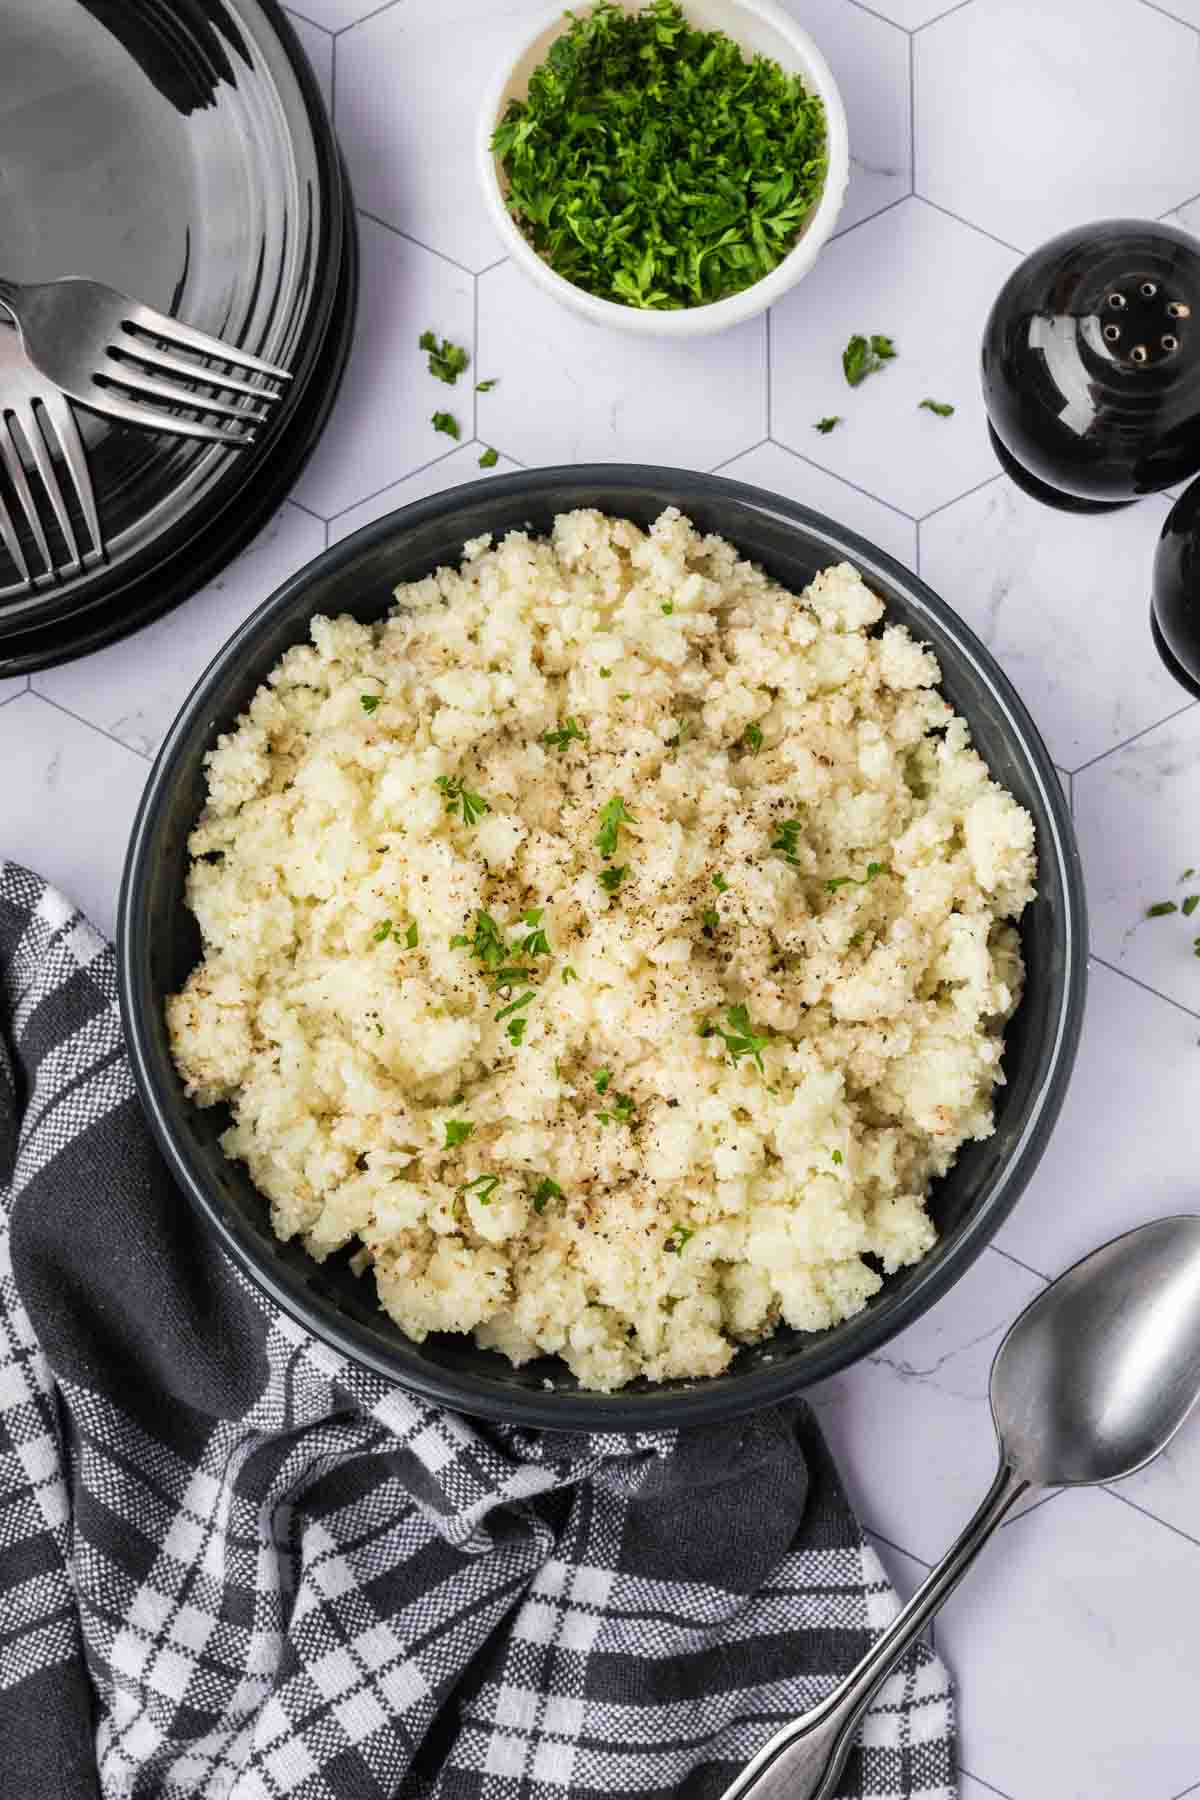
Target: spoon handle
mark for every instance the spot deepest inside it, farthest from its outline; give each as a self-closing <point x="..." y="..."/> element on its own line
<point x="805" y="1759"/>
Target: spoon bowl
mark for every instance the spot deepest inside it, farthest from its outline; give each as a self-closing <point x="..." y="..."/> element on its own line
<point x="1100" y="1371"/>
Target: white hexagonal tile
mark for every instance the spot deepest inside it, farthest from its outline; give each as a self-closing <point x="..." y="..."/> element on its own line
<point x="971" y="1788"/>
<point x="1023" y="116"/>
<point x="380" y="428"/>
<point x="11" y="686"/>
<point x="1139" y="832"/>
<point x="926" y="281"/>
<point x="410" y="83"/>
<point x="570" y="391"/>
<point x="911" y="1427"/>
<point x="1168" y="1486"/>
<point x="318" y="47"/>
<point x="1122" y="1151"/>
<point x="135" y="696"/>
<point x="461" y="466"/>
<point x="1077" y="1668"/>
<point x="1064" y="605"/>
<point x="69" y="799"/>
<point x="780" y="472"/>
<point x="869" y="59"/>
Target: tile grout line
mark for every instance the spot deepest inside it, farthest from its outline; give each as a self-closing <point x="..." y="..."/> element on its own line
<point x="1019" y="1263"/>
<point x="1114" y="1493"/>
<point x="845" y="480"/>
<point x="859" y="223"/>
<point x="146" y="756"/>
<point x="1113" y="749"/>
<point x="1163" y="13"/>
<point x="475" y="354"/>
<point x="408" y="476"/>
<point x="882" y="17"/>
<point x="938" y="17"/>
<point x="293" y="13"/>
<point x="300" y="507"/>
<point x="366" y="18"/>
<point x="891" y="1543"/>
<point x="1145" y="986"/>
<point x="971" y="1776"/>
<point x="912" y="114"/>
<point x="969" y="223"/>
<point x="716" y="468"/>
<point x="965" y="495"/>
<point x="408" y="238"/>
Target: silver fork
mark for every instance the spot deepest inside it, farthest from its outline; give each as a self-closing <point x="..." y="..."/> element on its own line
<point x="121" y="358"/>
<point x="36" y="419"/>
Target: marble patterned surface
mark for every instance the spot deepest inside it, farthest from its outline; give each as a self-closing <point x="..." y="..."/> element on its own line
<point x="976" y="130"/>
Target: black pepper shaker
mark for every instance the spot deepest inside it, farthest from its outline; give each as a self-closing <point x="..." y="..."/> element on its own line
<point x="1175" y="607"/>
<point x="1091" y="365"/>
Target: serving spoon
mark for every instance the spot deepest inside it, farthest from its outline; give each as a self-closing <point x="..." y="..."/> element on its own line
<point x="1091" y="1382"/>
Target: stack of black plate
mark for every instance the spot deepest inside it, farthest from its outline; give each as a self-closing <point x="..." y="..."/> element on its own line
<point x="180" y="152"/>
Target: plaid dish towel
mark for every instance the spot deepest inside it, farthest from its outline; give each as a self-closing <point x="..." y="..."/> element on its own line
<point x="235" y="1566"/>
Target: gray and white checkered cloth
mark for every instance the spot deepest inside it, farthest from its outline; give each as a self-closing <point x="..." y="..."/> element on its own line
<point x="233" y="1565"/>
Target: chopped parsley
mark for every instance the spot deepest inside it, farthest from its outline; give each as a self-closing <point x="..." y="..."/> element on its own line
<point x="603" y="1080"/>
<point x="752" y="737"/>
<point x="483" y="1187"/>
<point x="606" y="673"/>
<point x="382" y="931"/>
<point x="711" y="918"/>
<point x="546" y="1189"/>
<point x="668" y="607"/>
<point x="863" y="356"/>
<point x="412" y="937"/>
<point x="457" y="1132"/>
<point x="446" y="360"/>
<point x="446" y="422"/>
<point x="653" y="165"/>
<point x="485" y="387"/>
<point x="1187" y="874"/>
<point x="1190" y="904"/>
<point x="1160" y="909"/>
<point x="679" y="1235"/>
<point x="385" y="930"/>
<point x="568" y="733"/>
<point x="825" y="426"/>
<point x="740" y="1038"/>
<point x="569" y="974"/>
<point x="873" y="869"/>
<point x="515" y="1031"/>
<point x="720" y="883"/>
<point x="625" y="696"/>
<point x="613" y="815"/>
<point x="516" y="1005"/>
<point x="611" y="879"/>
<point x="537" y="943"/>
<point x="623" y="1111"/>
<point x="490" y="457"/>
<point x="941" y="407"/>
<point x="470" y="807"/>
<point x="369" y="702"/>
<point x="787" y="842"/>
<point x="835" y="1156"/>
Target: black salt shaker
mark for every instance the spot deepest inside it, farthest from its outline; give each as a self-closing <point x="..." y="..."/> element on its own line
<point x="1091" y="365"/>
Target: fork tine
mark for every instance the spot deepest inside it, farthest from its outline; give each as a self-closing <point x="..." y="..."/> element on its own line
<point x="113" y="405"/>
<point x="31" y="427"/>
<point x="186" y="337"/>
<point x="125" y="375"/>
<point x="12" y="544"/>
<point x="10" y="455"/>
<point x="60" y="419"/>
<point x="161" y="362"/>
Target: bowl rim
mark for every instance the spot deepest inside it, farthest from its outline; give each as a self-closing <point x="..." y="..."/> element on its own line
<point x="710" y="1399"/>
<point x="717" y="315"/>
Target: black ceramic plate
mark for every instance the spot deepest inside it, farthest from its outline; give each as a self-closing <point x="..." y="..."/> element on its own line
<point x="182" y="154"/>
<point x="158" y="944"/>
<point x="221" y="533"/>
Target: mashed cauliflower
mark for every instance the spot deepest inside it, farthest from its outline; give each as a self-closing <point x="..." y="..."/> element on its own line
<point x="611" y="946"/>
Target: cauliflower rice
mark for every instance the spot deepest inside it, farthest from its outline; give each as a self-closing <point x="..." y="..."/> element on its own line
<point x="738" y="1065"/>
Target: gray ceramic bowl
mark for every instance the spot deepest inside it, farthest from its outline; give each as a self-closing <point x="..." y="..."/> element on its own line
<point x="158" y="943"/>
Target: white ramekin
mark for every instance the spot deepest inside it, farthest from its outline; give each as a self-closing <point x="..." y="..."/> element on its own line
<point x="757" y="25"/>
